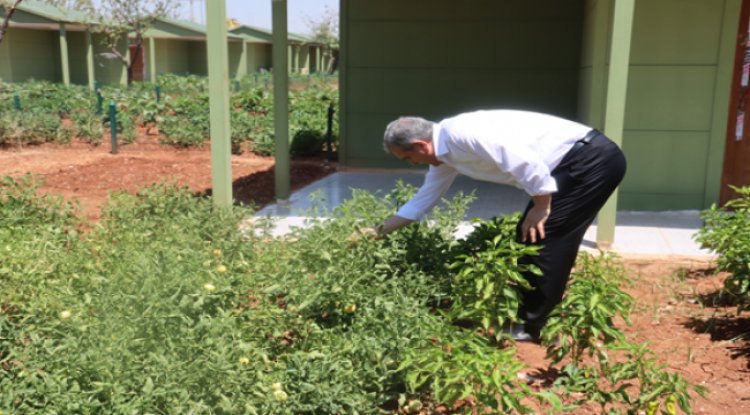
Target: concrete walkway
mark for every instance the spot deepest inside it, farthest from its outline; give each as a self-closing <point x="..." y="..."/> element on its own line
<point x="656" y="234"/>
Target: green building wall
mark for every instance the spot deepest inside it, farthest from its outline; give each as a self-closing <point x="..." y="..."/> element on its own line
<point x="77" y="57"/>
<point x="675" y="117"/>
<point x="172" y="56"/>
<point x="30" y="54"/>
<point x="234" y="52"/>
<point x="303" y="61"/>
<point x="669" y="112"/>
<point x="5" y="70"/>
<point x="197" y="59"/>
<point x="109" y="70"/>
<point x="439" y="58"/>
<point x="260" y="57"/>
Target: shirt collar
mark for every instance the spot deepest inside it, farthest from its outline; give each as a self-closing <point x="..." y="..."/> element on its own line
<point x="437" y="142"/>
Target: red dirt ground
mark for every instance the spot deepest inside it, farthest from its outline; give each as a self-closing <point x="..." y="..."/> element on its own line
<point x="675" y="299"/>
<point x="89" y="173"/>
<point x="677" y="310"/>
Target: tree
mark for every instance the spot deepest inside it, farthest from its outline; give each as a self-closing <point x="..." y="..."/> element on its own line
<point x="325" y="31"/>
<point x="118" y="19"/>
<point x="9" y="7"/>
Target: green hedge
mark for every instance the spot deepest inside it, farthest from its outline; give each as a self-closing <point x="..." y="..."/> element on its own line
<point x="726" y="231"/>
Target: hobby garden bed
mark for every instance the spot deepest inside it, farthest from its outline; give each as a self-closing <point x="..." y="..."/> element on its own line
<point x="150" y="301"/>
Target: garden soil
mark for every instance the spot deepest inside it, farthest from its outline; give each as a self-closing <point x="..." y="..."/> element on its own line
<point x="678" y="308"/>
<point x="89" y="173"/>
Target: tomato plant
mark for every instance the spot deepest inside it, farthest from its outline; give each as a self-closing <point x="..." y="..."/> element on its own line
<point x="166" y="306"/>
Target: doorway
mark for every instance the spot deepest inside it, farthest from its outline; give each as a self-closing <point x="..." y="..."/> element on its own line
<point x="139" y="67"/>
<point x="737" y="151"/>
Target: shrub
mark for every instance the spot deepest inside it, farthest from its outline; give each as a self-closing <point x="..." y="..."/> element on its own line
<point x="306" y="143"/>
<point x="584" y="320"/>
<point x="177" y="131"/>
<point x="256" y="101"/>
<point x="165" y="307"/>
<point x="631" y="377"/>
<point x="489" y="276"/>
<point x="244" y="127"/>
<point x="187" y="121"/>
<point x="726" y="231"/>
<point x="31" y="127"/>
<point x="89" y="127"/>
<point x="465" y="367"/>
<point x="182" y="115"/>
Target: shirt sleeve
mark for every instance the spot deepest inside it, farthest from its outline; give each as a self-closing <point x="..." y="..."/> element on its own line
<point x="437" y="181"/>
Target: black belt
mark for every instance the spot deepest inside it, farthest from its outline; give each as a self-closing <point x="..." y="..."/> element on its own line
<point x="584" y="141"/>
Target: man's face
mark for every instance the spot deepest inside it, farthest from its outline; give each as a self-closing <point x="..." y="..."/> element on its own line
<point x="420" y="153"/>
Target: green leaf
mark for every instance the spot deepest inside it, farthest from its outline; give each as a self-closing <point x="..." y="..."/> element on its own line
<point x="148" y="387"/>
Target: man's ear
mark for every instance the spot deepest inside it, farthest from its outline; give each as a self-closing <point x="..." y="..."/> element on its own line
<point x="420" y="146"/>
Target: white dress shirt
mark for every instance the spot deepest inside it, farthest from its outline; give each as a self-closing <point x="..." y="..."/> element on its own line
<point x="518" y="148"/>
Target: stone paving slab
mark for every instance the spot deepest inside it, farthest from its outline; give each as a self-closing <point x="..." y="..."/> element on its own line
<point x="636" y="233"/>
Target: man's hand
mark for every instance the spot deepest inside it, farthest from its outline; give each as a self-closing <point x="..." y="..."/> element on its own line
<point x="390" y="225"/>
<point x="533" y="226"/>
<point x="363" y="234"/>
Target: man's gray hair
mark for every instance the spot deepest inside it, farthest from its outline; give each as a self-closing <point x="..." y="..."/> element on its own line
<point x="404" y="131"/>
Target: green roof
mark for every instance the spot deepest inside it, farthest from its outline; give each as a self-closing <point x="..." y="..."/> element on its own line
<point x="185" y="27"/>
<point x="194" y="29"/>
<point x="295" y="36"/>
<point x="53" y="13"/>
<point x="265" y="34"/>
<point x="253" y="33"/>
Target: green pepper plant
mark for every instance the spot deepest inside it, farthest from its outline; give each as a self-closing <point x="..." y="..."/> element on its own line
<point x="585" y="319"/>
<point x="489" y="276"/>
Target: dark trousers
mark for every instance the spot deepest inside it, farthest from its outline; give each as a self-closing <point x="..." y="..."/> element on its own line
<point x="586" y="177"/>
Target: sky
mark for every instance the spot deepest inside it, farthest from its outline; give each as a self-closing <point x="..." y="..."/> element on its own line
<point x="258" y="12"/>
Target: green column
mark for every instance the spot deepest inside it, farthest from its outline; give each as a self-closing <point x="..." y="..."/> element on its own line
<point x="125" y="43"/>
<point x="152" y="59"/>
<point x="327" y="59"/>
<point x="242" y="70"/>
<point x="290" y="58"/>
<point x="298" y="64"/>
<point x="304" y="52"/>
<point x="318" y="63"/>
<point x="281" y="99"/>
<point x="600" y="40"/>
<point x="614" y="116"/>
<point x="64" y="61"/>
<point x="251" y="50"/>
<point x="218" y="91"/>
<point x="298" y="59"/>
<point x="90" y="75"/>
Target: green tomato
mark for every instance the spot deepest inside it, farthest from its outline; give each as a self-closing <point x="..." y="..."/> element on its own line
<point x="671" y="405"/>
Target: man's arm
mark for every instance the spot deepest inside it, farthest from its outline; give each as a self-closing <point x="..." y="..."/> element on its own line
<point x="437" y="181"/>
<point x="391" y="224"/>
